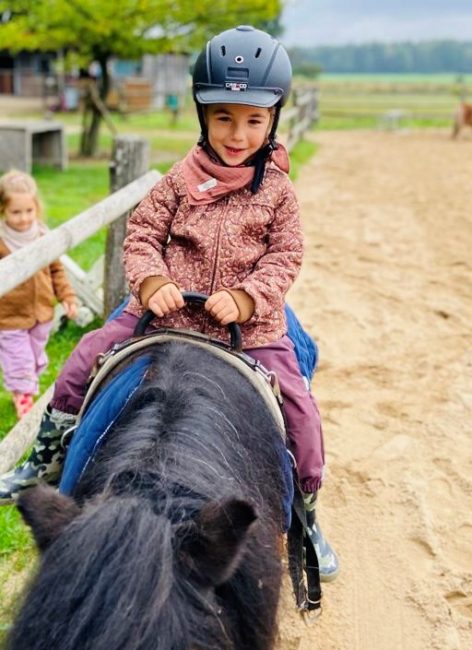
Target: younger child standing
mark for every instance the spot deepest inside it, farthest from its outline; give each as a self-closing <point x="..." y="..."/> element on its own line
<point x="26" y="312"/>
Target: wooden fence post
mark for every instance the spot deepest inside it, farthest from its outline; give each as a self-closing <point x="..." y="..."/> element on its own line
<point x="130" y="160"/>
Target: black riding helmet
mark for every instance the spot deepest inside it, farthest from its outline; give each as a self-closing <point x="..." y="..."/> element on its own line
<point x="243" y="65"/>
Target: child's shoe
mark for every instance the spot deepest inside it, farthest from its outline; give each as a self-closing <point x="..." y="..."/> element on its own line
<point x="23" y="403"/>
<point x="45" y="461"/>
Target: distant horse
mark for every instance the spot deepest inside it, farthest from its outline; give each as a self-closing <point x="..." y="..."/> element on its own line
<point x="171" y="540"/>
<point x="462" y="117"/>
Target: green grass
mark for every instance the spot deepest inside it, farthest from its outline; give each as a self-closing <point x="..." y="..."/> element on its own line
<point x="15" y="570"/>
<point x="14" y="535"/>
<point x="66" y="194"/>
<point x="300" y="154"/>
<point x="147" y="121"/>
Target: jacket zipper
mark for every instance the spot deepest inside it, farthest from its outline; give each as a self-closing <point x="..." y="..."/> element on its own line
<point x="217" y="245"/>
<point x="207" y="318"/>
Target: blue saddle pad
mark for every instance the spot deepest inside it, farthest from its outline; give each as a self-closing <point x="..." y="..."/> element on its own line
<point x="305" y="346"/>
<point x="98" y="420"/>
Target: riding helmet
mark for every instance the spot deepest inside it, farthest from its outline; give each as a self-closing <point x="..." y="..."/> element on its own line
<point x="242" y="66"/>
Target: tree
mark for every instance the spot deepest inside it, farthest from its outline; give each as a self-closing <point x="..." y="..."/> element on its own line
<point x="97" y="30"/>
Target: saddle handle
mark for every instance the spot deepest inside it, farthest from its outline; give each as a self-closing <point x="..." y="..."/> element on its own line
<point x="192" y="298"/>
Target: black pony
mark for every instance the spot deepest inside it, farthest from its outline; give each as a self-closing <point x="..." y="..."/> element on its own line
<point x="171" y="541"/>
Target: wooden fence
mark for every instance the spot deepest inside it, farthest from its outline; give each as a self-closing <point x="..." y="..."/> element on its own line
<point x="130" y="160"/>
<point x="301" y="116"/>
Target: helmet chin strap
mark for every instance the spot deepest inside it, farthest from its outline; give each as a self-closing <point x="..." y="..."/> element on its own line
<point x="264" y="153"/>
<point x="203" y="139"/>
<point x="259" y="160"/>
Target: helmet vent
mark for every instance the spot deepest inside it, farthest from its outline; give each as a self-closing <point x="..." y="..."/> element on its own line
<point x="258" y="52"/>
<point x="223" y="50"/>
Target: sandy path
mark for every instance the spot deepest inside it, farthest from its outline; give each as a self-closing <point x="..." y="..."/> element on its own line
<point x="386" y="288"/>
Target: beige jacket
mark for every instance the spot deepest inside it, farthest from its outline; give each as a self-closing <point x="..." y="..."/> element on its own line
<point x="33" y="301"/>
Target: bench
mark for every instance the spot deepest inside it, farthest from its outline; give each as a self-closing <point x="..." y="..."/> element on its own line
<point x="23" y="143"/>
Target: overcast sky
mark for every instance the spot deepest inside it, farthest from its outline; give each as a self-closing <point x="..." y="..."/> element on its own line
<point x="334" y="22"/>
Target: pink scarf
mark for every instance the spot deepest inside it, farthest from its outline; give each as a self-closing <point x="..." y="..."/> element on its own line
<point x="16" y="239"/>
<point x="207" y="180"/>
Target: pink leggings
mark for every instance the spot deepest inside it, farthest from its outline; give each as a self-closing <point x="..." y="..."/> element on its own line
<point x="23" y="357"/>
<point x="301" y="411"/>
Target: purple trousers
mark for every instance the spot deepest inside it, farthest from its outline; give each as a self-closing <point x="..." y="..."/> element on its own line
<point x="23" y="357"/>
<point x="301" y="411"/>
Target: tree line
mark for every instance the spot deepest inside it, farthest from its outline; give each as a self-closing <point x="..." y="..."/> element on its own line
<point x="425" y="57"/>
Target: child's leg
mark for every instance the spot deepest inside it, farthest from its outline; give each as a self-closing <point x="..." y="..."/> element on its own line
<point x="39" y="335"/>
<point x="17" y="362"/>
<point x="69" y="390"/>
<point x="306" y="436"/>
<point x="301" y="411"/>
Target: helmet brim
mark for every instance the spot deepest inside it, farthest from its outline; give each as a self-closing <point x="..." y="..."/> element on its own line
<point x="259" y="98"/>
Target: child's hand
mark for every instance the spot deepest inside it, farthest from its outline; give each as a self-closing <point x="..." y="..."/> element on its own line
<point x="222" y="306"/>
<point x="70" y="309"/>
<point x="166" y="300"/>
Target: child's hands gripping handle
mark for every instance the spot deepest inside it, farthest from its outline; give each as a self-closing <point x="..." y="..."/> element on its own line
<point x="194" y="298"/>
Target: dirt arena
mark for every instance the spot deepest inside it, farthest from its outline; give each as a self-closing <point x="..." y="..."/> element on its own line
<point x="387" y="291"/>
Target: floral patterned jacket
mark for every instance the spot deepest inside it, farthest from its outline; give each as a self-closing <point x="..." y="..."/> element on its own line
<point x="241" y="241"/>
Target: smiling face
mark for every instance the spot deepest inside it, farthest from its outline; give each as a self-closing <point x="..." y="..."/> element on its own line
<point x="236" y="132"/>
<point x="21" y="211"/>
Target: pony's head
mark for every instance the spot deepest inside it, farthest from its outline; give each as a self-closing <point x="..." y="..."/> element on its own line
<point x="185" y="564"/>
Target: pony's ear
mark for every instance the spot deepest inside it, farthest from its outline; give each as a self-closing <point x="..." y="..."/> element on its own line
<point x="214" y="548"/>
<point x="47" y="513"/>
